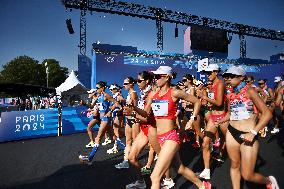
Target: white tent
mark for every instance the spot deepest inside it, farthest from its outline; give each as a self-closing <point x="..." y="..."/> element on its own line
<point x="72" y="87"/>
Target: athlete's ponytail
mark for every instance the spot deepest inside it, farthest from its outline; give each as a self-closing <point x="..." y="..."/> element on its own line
<point x="102" y="84"/>
<point x="131" y="80"/>
<point x="173" y="76"/>
<point x="147" y="76"/>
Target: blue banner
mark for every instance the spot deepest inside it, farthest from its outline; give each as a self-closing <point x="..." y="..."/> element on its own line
<point x="74" y="120"/>
<point x="115" y="68"/>
<point x="140" y="61"/>
<point x="28" y="124"/>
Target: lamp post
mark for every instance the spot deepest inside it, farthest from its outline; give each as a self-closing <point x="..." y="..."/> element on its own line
<point x="46" y="71"/>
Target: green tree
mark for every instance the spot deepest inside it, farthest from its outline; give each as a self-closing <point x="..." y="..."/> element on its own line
<point x="24" y="69"/>
<point x="57" y="74"/>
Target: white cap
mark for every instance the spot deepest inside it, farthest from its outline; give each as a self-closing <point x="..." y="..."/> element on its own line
<point x="236" y="70"/>
<point x="277" y="79"/>
<point x="212" y="67"/>
<point x="91" y="91"/>
<point x="113" y="87"/>
<point x="163" y="70"/>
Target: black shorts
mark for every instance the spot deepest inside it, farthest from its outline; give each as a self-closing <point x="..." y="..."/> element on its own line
<point x="130" y="122"/>
<point x="97" y="117"/>
<point x="237" y="134"/>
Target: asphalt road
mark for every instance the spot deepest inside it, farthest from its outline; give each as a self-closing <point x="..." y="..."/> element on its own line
<point x="52" y="163"/>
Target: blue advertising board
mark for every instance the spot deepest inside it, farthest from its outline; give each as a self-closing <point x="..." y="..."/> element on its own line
<point x="74" y="120"/>
<point x="18" y="125"/>
<point x="115" y="68"/>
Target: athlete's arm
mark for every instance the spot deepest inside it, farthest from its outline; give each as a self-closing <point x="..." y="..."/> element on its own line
<point x="279" y="97"/>
<point x="192" y="90"/>
<point x="94" y="100"/>
<point x="260" y="91"/>
<point x="115" y="103"/>
<point x="260" y="105"/>
<point x="134" y="99"/>
<point x="147" y="107"/>
<point x="179" y="94"/>
<point x="279" y="86"/>
<point x="141" y="118"/>
<point x="271" y="95"/>
<point x="225" y="119"/>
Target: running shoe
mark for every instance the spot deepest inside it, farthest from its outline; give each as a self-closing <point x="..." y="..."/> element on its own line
<point x="136" y="184"/>
<point x="122" y="165"/>
<point x="120" y="144"/>
<point x="205" y="174"/>
<point x="273" y="183"/>
<point x="113" y="150"/>
<point x="196" y="144"/>
<point x="216" y="143"/>
<point x="106" y="142"/>
<point x="263" y="132"/>
<point x="90" y="145"/>
<point x="275" y="130"/>
<point x="85" y="160"/>
<point x="167" y="183"/>
<point x="206" y="185"/>
<point x="146" y="171"/>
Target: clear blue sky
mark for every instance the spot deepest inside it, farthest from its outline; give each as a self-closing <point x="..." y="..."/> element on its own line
<point x="37" y="28"/>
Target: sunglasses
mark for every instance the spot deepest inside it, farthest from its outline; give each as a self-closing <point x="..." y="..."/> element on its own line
<point x="98" y="87"/>
<point x="184" y="80"/>
<point x="180" y="84"/>
<point x="248" y="81"/>
<point x="140" y="80"/>
<point x="208" y="73"/>
<point x="126" y="83"/>
<point x="261" y="83"/>
<point x="157" y="77"/>
<point x="225" y="76"/>
<point x="231" y="76"/>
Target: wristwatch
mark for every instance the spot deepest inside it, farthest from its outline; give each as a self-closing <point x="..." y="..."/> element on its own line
<point x="253" y="132"/>
<point x="194" y="118"/>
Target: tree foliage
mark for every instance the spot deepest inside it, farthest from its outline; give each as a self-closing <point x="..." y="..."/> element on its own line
<point x="57" y="74"/>
<point x="24" y="69"/>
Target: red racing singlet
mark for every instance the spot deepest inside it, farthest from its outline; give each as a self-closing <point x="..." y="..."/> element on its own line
<point x="163" y="106"/>
<point x="241" y="106"/>
<point x="214" y="92"/>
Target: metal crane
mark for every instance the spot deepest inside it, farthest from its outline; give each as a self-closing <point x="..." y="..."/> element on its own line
<point x="163" y="15"/>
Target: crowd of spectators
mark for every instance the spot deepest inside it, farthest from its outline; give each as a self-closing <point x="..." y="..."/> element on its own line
<point x="34" y="103"/>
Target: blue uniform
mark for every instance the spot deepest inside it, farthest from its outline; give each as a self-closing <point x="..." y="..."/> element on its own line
<point x="117" y="109"/>
<point x="103" y="106"/>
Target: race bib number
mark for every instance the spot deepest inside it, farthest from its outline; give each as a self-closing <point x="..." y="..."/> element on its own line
<point x="211" y="96"/>
<point x="100" y="106"/>
<point x="239" y="113"/>
<point x="160" y="107"/>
